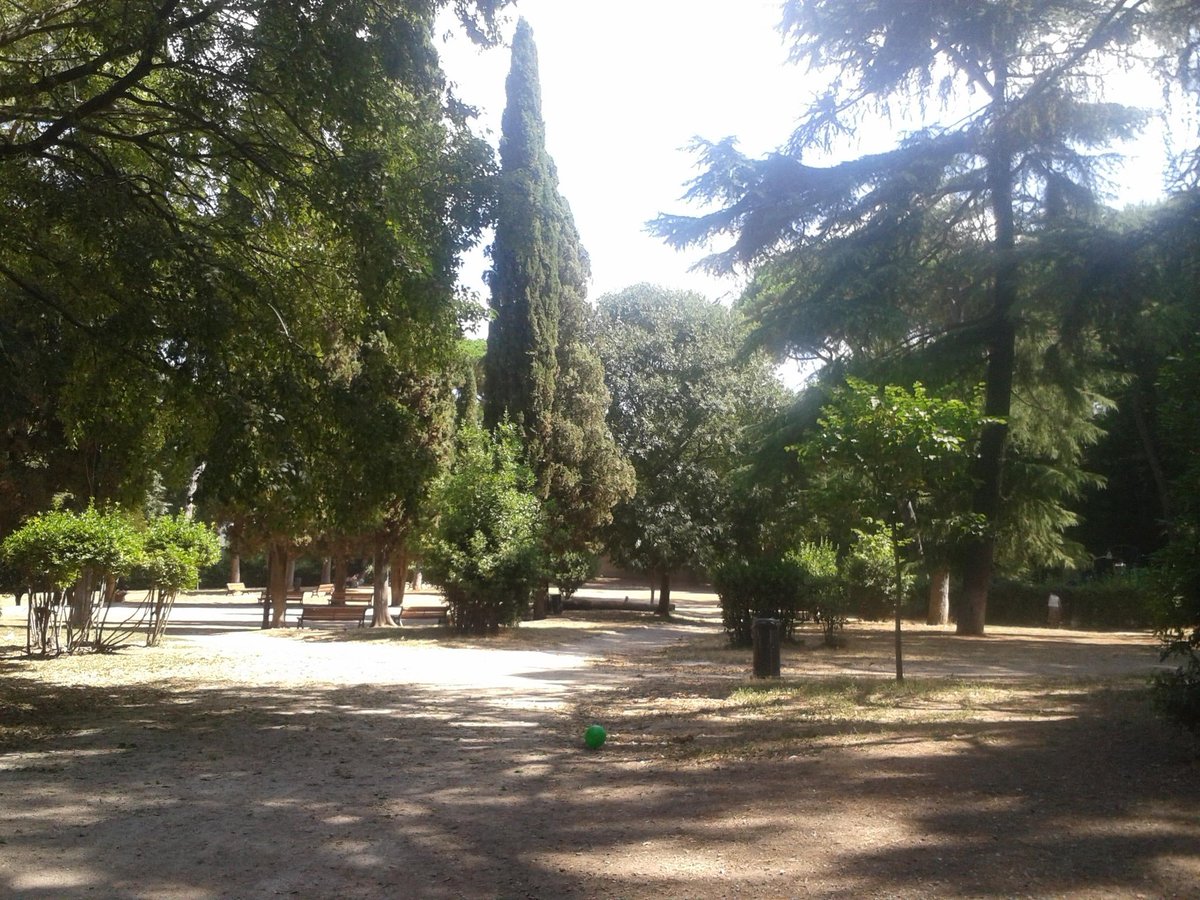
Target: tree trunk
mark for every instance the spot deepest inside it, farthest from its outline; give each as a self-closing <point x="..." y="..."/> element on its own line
<point x="1142" y="400"/>
<point x="541" y="600"/>
<point x="79" y="623"/>
<point x="898" y="600"/>
<point x="326" y="570"/>
<point x="290" y="575"/>
<point x="664" y="594"/>
<point x="235" y="568"/>
<point x="399" y="576"/>
<point x="278" y="568"/>
<point x="341" y="572"/>
<point x="1001" y="345"/>
<point x="382" y="596"/>
<point x="939" y="596"/>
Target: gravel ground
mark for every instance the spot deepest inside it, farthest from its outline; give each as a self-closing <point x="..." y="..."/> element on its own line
<point x="232" y="762"/>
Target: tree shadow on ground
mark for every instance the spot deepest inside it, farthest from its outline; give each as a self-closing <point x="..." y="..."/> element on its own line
<point x="371" y="792"/>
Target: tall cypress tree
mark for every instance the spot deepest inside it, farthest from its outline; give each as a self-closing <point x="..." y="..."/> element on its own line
<point x="539" y="370"/>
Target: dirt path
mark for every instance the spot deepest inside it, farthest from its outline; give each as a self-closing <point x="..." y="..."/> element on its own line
<point x="235" y="763"/>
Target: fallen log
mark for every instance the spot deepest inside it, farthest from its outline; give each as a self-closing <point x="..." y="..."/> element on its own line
<point x="584" y="603"/>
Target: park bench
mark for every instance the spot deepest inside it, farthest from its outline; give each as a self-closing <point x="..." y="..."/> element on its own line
<point x="440" y="615"/>
<point x="325" y="614"/>
<point x="236" y="588"/>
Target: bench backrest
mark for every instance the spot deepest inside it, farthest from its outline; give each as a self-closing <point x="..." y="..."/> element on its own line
<point x="235" y="587"/>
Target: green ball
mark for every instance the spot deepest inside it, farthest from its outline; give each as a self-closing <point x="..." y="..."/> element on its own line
<point x="595" y="736"/>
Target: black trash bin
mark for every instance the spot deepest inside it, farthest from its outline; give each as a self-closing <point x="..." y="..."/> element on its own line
<point x="766" y="648"/>
<point x="556" y="604"/>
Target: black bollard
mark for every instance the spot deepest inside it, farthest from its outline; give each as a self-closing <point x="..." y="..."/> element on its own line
<point x="766" y="648"/>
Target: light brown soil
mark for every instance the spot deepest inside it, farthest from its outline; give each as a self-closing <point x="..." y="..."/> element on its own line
<point x="239" y="763"/>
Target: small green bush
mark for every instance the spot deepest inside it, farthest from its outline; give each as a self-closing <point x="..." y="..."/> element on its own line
<point x="1116" y="602"/>
<point x="1177" y="693"/>
<point x="485" y="551"/>
<point x="870" y="575"/>
<point x="824" y="590"/>
<point x="768" y="588"/>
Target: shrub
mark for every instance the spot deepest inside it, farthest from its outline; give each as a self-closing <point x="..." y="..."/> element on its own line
<point x="1119" y="601"/>
<point x="757" y="588"/>
<point x="66" y="558"/>
<point x="870" y="574"/>
<point x="571" y="569"/>
<point x="1177" y="693"/>
<point x="1177" y="619"/>
<point x="485" y="551"/>
<point x="823" y="587"/>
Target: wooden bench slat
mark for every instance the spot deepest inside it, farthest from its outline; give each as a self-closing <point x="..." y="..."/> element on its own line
<point x="440" y="613"/>
<point x="310" y="614"/>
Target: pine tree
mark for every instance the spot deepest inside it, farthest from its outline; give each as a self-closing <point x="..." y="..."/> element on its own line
<point x="539" y="371"/>
<point x="1027" y="73"/>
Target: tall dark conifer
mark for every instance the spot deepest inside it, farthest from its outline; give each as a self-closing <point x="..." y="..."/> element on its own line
<point x="539" y="370"/>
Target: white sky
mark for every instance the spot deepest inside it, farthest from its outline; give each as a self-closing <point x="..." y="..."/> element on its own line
<point x="627" y="84"/>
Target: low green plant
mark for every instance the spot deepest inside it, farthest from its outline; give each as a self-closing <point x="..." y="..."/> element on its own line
<point x="823" y="587"/>
<point x="66" y="559"/>
<point x="571" y="569"/>
<point x="485" y="549"/>
<point x="749" y="589"/>
<point x="870" y="573"/>
<point x="1177" y="615"/>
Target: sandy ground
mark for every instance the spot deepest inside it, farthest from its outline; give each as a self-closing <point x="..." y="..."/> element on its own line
<point x="233" y="762"/>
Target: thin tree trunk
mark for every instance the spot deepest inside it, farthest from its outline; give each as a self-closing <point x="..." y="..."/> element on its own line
<point x="326" y="570"/>
<point x="1146" y="436"/>
<point x="939" y="596"/>
<point x="82" y="611"/>
<point x="664" y="594"/>
<point x="235" y="568"/>
<point x="290" y="575"/>
<point x="541" y="600"/>
<point x="899" y="603"/>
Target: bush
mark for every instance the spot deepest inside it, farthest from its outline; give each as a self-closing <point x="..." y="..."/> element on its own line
<point x="1177" y="620"/>
<point x="1177" y="693"/>
<point x="571" y="569"/>
<point x="66" y="559"/>
<point x="1119" y="601"/>
<point x="485" y="551"/>
<point x="823" y="587"/>
<point x="768" y="588"/>
<point x="870" y="575"/>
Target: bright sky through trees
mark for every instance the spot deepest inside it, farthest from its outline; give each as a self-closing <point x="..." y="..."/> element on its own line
<point x="627" y="84"/>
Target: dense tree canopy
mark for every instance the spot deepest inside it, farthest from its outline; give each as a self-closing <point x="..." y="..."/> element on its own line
<point x="540" y="372"/>
<point x="684" y="406"/>
<point x="928" y="243"/>
<point x="232" y="235"/>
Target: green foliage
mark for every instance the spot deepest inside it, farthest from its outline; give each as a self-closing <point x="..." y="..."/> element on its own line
<point x="52" y="550"/>
<point x="485" y="550"/>
<point x="756" y="589"/>
<point x="824" y="588"/>
<point x="870" y="572"/>
<point x="1116" y="602"/>
<point x="232" y="234"/>
<point x="934" y="247"/>
<point x="540" y="371"/>
<point x="1177" y="693"/>
<point x="685" y="408"/>
<point x="176" y="548"/>
<point x="570" y="570"/>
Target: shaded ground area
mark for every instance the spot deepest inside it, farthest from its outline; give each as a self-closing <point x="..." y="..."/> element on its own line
<point x="234" y="763"/>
